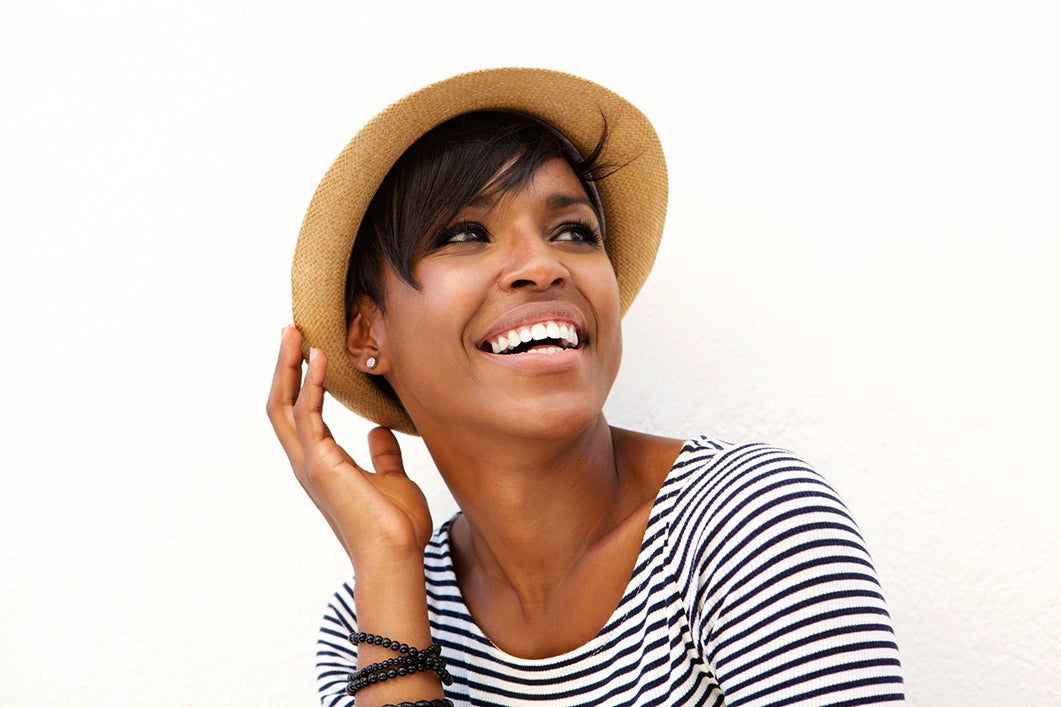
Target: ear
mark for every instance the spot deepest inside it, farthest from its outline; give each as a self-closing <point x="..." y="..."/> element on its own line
<point x="364" y="335"/>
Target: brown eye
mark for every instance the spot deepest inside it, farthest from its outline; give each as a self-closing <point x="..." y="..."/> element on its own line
<point x="462" y="233"/>
<point x="577" y="233"/>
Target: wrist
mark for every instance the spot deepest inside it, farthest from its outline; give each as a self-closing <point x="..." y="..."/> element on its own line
<point x="390" y="597"/>
<point x="391" y="600"/>
<point x="403" y="566"/>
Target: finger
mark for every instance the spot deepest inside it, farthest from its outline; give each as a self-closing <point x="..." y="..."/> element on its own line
<point x="308" y="409"/>
<point x="285" y="390"/>
<point x="385" y="452"/>
<point x="313" y="434"/>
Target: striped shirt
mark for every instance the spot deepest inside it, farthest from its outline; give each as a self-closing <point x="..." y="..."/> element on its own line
<point x="753" y="586"/>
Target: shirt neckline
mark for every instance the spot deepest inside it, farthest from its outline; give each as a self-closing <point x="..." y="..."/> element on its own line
<point x="449" y="575"/>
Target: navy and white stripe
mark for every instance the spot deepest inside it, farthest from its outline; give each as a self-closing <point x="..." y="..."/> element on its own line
<point x="753" y="587"/>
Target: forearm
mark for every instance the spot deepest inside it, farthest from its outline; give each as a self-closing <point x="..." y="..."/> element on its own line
<point x="391" y="601"/>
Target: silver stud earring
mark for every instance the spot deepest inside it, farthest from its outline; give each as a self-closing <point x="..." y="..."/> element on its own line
<point x="370" y="362"/>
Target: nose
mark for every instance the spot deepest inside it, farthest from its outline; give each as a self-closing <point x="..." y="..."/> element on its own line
<point x="532" y="262"/>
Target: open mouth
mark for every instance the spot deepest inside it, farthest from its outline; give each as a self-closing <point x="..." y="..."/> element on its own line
<point x="540" y="337"/>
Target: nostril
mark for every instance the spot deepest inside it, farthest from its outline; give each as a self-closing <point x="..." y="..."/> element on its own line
<point x="531" y="283"/>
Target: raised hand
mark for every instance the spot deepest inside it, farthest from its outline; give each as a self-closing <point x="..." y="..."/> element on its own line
<point x="381" y="517"/>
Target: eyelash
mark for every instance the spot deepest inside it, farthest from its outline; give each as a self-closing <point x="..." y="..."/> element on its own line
<point x="447" y="234"/>
<point x="588" y="232"/>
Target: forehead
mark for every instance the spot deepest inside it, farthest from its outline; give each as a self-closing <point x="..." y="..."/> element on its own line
<point x="554" y="182"/>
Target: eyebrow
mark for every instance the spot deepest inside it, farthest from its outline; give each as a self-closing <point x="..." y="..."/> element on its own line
<point x="555" y="202"/>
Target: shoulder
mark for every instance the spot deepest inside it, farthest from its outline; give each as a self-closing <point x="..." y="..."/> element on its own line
<point x="742" y="509"/>
<point x="733" y="484"/>
<point x="774" y="565"/>
<point x="708" y="455"/>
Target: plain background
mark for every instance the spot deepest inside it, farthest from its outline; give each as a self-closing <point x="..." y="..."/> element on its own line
<point x="860" y="264"/>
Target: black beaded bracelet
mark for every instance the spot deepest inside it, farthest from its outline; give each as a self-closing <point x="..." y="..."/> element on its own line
<point x="403" y="648"/>
<point x="423" y="703"/>
<point x="410" y="661"/>
<point x="397" y="668"/>
<point x="381" y="673"/>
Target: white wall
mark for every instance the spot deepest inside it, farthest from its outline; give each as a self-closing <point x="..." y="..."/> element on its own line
<point x="860" y="264"/>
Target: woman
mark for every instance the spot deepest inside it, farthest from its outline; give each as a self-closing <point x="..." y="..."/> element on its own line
<point x="461" y="275"/>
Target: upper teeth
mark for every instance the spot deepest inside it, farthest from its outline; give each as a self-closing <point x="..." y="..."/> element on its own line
<point x="538" y="331"/>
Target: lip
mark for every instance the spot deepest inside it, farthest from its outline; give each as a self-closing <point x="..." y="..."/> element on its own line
<point x="532" y="313"/>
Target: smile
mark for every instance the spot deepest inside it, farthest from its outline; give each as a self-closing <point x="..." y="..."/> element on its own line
<point x="541" y="337"/>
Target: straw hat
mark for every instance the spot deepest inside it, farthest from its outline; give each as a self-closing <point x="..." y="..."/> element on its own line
<point x="634" y="199"/>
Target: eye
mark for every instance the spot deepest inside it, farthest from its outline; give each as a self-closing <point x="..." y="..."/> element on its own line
<point x="577" y="232"/>
<point x="467" y="232"/>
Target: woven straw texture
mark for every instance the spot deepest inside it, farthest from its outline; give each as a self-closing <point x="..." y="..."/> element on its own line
<point x="634" y="199"/>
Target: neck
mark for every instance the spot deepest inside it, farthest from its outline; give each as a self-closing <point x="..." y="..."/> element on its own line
<point x="532" y="508"/>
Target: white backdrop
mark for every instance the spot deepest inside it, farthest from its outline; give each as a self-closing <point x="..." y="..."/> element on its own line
<point x="860" y="264"/>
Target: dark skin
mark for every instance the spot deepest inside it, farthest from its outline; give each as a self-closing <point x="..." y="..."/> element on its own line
<point x="539" y="607"/>
<point x="554" y="501"/>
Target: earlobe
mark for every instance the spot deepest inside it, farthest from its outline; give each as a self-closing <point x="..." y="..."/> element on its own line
<point x="362" y="340"/>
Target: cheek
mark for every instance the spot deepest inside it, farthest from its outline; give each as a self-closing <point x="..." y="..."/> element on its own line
<point x="434" y="313"/>
<point x="606" y="291"/>
<point x="447" y="302"/>
<point x="603" y="294"/>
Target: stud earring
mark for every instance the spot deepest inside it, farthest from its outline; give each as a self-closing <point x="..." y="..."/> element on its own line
<point x="370" y="362"/>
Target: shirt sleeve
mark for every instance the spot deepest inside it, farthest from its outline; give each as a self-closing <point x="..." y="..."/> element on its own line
<point x="336" y="655"/>
<point x="783" y="596"/>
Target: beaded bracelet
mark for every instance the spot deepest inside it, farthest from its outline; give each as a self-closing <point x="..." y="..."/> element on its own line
<point x="403" y="648"/>
<point x="397" y="668"/>
<point x="423" y="703"/>
<point x="411" y="661"/>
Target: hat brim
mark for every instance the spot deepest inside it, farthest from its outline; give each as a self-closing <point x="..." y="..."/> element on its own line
<point x="633" y="198"/>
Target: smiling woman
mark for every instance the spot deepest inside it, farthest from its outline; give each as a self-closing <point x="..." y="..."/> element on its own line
<point x="461" y="274"/>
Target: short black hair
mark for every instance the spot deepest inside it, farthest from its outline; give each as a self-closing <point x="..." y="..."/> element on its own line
<point x="447" y="168"/>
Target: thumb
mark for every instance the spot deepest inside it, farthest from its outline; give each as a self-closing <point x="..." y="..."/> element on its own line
<point x="385" y="452"/>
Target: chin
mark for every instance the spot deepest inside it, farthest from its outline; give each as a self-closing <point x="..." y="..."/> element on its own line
<point x="548" y="418"/>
